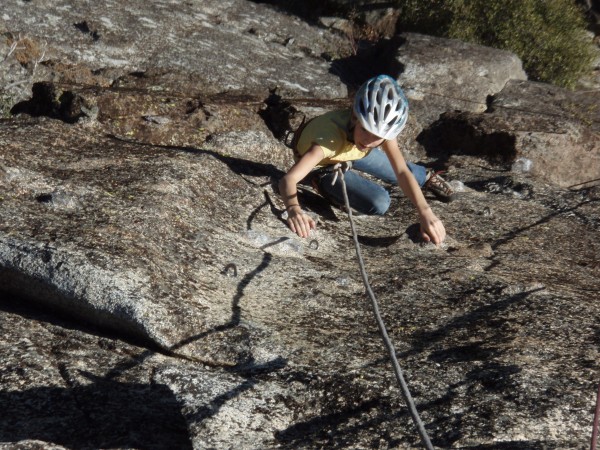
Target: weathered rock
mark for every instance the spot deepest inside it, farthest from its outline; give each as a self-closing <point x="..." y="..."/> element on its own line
<point x="68" y="244"/>
<point x="550" y="131"/>
<point x="438" y="75"/>
<point x="221" y="46"/>
<point x="143" y="115"/>
<point x="375" y="18"/>
<point x="141" y="201"/>
<point x="66" y="386"/>
<point x="442" y="75"/>
<point x="183" y="247"/>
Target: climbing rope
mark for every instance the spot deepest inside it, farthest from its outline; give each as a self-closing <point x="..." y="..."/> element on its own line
<point x="596" y="422"/>
<point x="386" y="339"/>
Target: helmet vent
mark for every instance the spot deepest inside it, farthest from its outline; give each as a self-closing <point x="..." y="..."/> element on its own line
<point x="388" y="108"/>
<point x="381" y="107"/>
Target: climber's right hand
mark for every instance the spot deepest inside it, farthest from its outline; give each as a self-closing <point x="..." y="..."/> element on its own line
<point x="299" y="222"/>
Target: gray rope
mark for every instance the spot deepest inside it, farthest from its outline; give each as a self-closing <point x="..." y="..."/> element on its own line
<point x="596" y="421"/>
<point x="388" y="343"/>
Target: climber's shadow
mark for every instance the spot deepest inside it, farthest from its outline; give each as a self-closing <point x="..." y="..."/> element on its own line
<point x="315" y="203"/>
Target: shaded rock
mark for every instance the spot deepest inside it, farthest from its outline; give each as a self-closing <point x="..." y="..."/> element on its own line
<point x="372" y="19"/>
<point x="471" y="134"/>
<point x="48" y="100"/>
<point x="67" y="386"/>
<point x="553" y="130"/>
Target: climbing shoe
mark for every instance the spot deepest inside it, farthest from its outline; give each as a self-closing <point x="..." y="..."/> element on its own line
<point x="439" y="187"/>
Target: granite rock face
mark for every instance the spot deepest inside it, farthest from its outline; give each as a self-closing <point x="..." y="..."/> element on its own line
<point x="79" y="388"/>
<point x="221" y="46"/>
<point x="438" y="75"/>
<point x="153" y="297"/>
<point x="551" y="132"/>
<point x="442" y="75"/>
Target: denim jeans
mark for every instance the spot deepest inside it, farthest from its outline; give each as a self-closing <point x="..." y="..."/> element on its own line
<point x="364" y="195"/>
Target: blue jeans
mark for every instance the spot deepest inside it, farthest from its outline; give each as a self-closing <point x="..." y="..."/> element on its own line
<point x="364" y="195"/>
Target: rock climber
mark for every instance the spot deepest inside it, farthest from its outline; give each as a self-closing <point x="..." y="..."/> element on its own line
<point x="364" y="135"/>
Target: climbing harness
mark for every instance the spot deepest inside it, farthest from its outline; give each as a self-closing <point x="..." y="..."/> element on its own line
<point x="388" y="343"/>
<point x="342" y="168"/>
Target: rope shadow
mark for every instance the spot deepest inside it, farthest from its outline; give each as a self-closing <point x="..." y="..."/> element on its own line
<point x="123" y="420"/>
<point x="515" y="233"/>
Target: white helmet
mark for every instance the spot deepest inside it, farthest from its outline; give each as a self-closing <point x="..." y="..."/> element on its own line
<point x="381" y="107"/>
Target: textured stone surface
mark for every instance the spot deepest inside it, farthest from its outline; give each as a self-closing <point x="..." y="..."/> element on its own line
<point x="132" y="237"/>
<point x="442" y="75"/>
<point x="438" y="75"/>
<point x="549" y="131"/>
<point x="68" y="385"/>
<point x="222" y="46"/>
<point x="137" y="212"/>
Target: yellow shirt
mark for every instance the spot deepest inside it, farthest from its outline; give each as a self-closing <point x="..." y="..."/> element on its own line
<point x="330" y="132"/>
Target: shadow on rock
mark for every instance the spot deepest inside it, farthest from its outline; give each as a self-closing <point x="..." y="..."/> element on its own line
<point x="281" y="117"/>
<point x="333" y="431"/>
<point x="242" y="167"/>
<point x="472" y="322"/>
<point x="492" y="379"/>
<point x="370" y="60"/>
<point x="503" y="185"/>
<point x="104" y="414"/>
<point x="464" y="134"/>
<point x="108" y="413"/>
<point x="572" y="210"/>
<point x="378" y="241"/>
<point x="33" y="310"/>
<point x="48" y="100"/>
